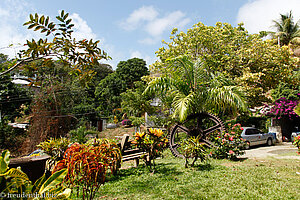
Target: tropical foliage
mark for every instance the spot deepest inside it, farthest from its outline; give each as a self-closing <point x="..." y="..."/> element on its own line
<point x="287" y="31"/>
<point x="193" y="148"/>
<point x="109" y="89"/>
<point x="135" y="102"/>
<point x="56" y="148"/>
<point x="195" y="88"/>
<point x="62" y="66"/>
<point x="297" y="109"/>
<point x="152" y="142"/>
<point x="87" y="165"/>
<point x="16" y="184"/>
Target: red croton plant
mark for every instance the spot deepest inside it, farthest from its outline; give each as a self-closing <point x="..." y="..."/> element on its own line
<point x="88" y="165"/>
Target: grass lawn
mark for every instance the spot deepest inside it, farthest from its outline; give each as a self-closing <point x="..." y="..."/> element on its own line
<point x="216" y="179"/>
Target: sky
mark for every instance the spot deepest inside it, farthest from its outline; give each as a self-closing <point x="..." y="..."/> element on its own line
<point x="135" y="28"/>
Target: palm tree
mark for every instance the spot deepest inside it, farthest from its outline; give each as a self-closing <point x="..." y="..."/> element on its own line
<point x="195" y="89"/>
<point x="287" y="31"/>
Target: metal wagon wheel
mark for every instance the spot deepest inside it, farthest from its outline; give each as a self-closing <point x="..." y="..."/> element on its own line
<point x="200" y="124"/>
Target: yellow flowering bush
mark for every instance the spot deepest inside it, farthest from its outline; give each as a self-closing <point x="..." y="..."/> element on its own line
<point x="153" y="142"/>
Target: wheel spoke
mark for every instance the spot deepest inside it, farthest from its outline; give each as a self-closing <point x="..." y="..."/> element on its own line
<point x="184" y="128"/>
<point x="200" y="124"/>
<point x="212" y="129"/>
<point x="208" y="142"/>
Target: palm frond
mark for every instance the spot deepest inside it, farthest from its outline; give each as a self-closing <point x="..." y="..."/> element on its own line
<point x="226" y="98"/>
<point x="182" y="105"/>
<point x="160" y="85"/>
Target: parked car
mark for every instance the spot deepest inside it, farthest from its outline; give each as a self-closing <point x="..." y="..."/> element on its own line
<point x="253" y="137"/>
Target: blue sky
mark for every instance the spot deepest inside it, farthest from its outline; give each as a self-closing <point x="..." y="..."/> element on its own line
<point x="135" y="28"/>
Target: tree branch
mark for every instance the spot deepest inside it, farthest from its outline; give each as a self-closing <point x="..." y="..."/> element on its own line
<point x="20" y="63"/>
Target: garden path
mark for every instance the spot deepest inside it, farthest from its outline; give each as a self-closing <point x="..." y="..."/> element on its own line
<point x="283" y="150"/>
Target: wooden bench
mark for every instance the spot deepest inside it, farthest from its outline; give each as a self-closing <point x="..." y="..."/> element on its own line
<point x="128" y="152"/>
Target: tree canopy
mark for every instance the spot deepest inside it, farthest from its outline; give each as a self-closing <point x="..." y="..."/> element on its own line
<point x="109" y="89"/>
<point x="251" y="62"/>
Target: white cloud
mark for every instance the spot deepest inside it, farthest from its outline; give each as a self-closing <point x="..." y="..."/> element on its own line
<point x="145" y="13"/>
<point x="257" y="15"/>
<point x="148" y="20"/>
<point x="81" y="28"/>
<point x="160" y="25"/>
<point x="13" y="14"/>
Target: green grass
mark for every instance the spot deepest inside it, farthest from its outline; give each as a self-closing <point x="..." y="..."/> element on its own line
<point x="216" y="179"/>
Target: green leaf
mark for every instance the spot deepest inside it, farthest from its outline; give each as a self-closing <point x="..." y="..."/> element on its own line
<point x="31" y="17"/>
<point x="16" y="173"/>
<point x="36" y="17"/>
<point x="47" y="21"/>
<point x="5" y="155"/>
<point x="70" y="26"/>
<point x="65" y="194"/>
<point x="26" y="23"/>
<point x="59" y="18"/>
<point x="66" y="16"/>
<point x="53" y="180"/>
<point x="4" y="161"/>
<point x="42" y="19"/>
<point x="38" y="27"/>
<point x="44" y="30"/>
<point x="37" y="185"/>
<point x="68" y="21"/>
<point x="62" y="13"/>
<point x="32" y="26"/>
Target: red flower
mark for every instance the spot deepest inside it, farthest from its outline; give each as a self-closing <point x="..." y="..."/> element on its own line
<point x="231" y="152"/>
<point x="231" y="138"/>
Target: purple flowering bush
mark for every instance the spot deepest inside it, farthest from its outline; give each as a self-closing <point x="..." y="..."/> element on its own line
<point x="283" y="108"/>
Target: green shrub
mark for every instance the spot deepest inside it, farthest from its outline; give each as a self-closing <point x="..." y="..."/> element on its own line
<point x="78" y="135"/>
<point x="193" y="148"/>
<point x="55" y="148"/>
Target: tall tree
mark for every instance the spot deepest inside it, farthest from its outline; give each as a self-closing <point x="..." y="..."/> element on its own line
<point x="109" y="89"/>
<point x="63" y="67"/>
<point x="287" y="31"/>
<point x="135" y="102"/>
<point x="132" y="70"/>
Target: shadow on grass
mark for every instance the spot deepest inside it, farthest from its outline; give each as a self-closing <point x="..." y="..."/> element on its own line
<point x="204" y="167"/>
<point x="239" y="159"/>
<point x="160" y="168"/>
